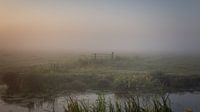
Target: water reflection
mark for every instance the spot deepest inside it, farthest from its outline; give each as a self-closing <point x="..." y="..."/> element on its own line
<point x="17" y="103"/>
<point x="32" y="104"/>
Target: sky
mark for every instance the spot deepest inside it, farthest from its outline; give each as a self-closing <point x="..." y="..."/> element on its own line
<point x="100" y="26"/>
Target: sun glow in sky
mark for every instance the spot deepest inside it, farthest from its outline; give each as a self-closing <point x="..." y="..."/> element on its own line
<point x="133" y="26"/>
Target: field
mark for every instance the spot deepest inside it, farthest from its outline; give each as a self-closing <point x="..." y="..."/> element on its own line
<point x="123" y="73"/>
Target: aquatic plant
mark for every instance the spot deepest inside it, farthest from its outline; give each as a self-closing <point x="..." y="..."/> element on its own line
<point x="132" y="104"/>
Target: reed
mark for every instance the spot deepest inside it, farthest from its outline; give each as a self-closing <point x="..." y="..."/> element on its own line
<point x="132" y="104"/>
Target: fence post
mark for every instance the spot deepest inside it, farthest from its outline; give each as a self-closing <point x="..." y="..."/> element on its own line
<point x="95" y="56"/>
<point x="112" y="55"/>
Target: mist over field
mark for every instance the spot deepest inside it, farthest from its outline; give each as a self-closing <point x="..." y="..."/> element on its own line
<point x="99" y="56"/>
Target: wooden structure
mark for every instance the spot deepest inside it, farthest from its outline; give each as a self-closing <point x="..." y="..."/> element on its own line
<point x="99" y="56"/>
<point x="96" y="56"/>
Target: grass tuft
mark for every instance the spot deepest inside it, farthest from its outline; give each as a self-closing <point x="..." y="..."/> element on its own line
<point x="132" y="104"/>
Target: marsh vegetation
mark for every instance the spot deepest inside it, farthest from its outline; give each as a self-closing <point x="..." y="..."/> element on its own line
<point x="132" y="104"/>
<point x="121" y="75"/>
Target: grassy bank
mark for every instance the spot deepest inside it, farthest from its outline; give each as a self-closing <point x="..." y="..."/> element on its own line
<point x="53" y="83"/>
<point x="119" y="74"/>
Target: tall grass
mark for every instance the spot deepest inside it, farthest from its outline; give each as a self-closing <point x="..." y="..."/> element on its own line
<point x="132" y="104"/>
<point x="96" y="80"/>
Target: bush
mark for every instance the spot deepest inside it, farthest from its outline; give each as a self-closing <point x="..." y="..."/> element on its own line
<point x="104" y="84"/>
<point x="77" y="85"/>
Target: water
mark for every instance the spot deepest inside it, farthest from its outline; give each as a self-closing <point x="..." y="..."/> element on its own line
<point x="179" y="101"/>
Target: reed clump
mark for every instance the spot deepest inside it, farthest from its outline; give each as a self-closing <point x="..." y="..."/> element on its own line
<point x="132" y="104"/>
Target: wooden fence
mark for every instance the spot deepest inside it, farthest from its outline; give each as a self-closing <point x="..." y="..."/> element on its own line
<point x="99" y="56"/>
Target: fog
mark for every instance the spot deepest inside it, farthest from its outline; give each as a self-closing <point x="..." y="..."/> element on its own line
<point x="90" y="26"/>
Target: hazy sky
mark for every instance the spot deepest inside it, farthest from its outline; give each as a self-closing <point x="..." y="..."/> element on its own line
<point x="103" y="25"/>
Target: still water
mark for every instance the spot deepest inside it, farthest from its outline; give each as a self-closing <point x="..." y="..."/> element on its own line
<point x="179" y="101"/>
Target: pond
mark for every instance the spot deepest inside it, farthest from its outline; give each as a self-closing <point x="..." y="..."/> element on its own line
<point x="179" y="101"/>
